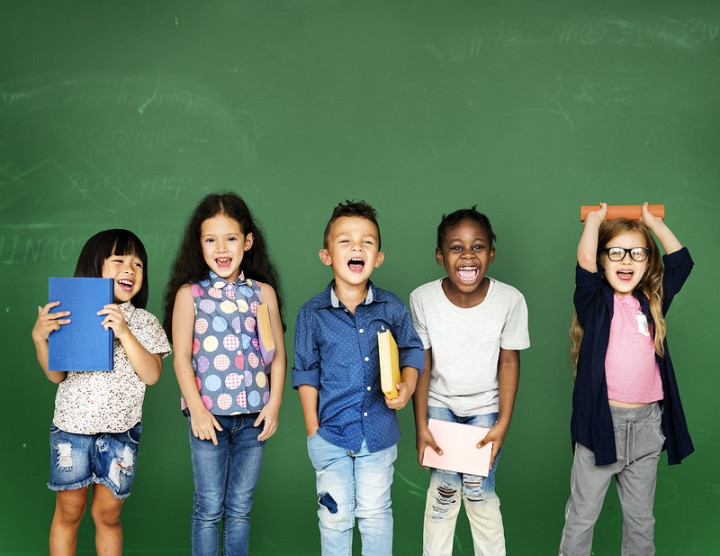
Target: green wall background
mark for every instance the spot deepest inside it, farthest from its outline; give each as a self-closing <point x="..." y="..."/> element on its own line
<point x="124" y="114"/>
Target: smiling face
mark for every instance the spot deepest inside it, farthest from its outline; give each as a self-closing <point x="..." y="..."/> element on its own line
<point x="127" y="273"/>
<point x="625" y="275"/>
<point x="224" y="245"/>
<point x="466" y="252"/>
<point x="352" y="250"/>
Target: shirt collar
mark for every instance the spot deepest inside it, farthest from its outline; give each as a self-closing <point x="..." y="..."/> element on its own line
<point x="335" y="301"/>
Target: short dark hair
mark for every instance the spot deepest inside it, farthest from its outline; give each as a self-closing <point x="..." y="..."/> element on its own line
<point x="449" y="220"/>
<point x="104" y="245"/>
<point x="352" y="208"/>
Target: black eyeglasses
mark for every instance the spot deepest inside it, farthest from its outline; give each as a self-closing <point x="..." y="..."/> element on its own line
<point x="617" y="254"/>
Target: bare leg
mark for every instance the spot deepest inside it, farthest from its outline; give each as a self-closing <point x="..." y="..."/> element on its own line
<point x="69" y="509"/>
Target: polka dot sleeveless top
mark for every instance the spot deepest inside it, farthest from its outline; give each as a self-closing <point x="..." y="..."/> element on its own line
<point x="229" y="369"/>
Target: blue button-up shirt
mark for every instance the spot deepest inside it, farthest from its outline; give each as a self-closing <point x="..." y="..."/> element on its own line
<point x="336" y="352"/>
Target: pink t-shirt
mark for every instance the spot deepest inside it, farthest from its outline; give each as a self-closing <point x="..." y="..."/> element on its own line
<point x="631" y="371"/>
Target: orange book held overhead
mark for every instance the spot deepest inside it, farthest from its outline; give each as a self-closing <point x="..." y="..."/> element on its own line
<point x="633" y="212"/>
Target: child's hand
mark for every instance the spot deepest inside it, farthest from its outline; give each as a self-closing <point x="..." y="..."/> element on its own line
<point x="48" y="322"/>
<point x="597" y="217"/>
<point x="649" y="219"/>
<point x="270" y="415"/>
<point x="425" y="439"/>
<point x="114" y="319"/>
<point x="496" y="435"/>
<point x="405" y="392"/>
<point x="204" y="425"/>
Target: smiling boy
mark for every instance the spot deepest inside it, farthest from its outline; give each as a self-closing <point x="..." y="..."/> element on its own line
<point x="352" y="428"/>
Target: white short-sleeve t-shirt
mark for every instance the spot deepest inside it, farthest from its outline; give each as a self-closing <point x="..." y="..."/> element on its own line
<point x="466" y="343"/>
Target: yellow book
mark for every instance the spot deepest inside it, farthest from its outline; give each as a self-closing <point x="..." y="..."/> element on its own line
<point x="265" y="334"/>
<point x="389" y="364"/>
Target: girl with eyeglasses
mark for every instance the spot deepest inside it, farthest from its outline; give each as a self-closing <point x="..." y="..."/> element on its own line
<point x="626" y="405"/>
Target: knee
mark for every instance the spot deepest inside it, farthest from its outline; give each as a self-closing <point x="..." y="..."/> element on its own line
<point x="474" y="491"/>
<point x="442" y="501"/>
<point x="333" y="515"/>
<point x="70" y="512"/>
<point x="106" y="515"/>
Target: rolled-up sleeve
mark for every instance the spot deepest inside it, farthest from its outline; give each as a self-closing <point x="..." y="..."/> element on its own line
<point x="306" y="366"/>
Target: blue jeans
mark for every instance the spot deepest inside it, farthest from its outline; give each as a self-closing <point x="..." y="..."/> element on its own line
<point x="225" y="477"/>
<point x="76" y="460"/>
<point x="448" y="490"/>
<point x="350" y="485"/>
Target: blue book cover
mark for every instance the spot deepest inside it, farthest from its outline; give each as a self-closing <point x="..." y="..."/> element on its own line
<point x="83" y="344"/>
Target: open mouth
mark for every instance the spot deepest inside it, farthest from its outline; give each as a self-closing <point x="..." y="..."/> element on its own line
<point x="223" y="262"/>
<point x="468" y="273"/>
<point x="625" y="275"/>
<point x="356" y="265"/>
<point x="126" y="285"/>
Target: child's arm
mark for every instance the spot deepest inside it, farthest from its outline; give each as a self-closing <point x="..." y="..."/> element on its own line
<point x="667" y="239"/>
<point x="423" y="436"/>
<point x="46" y="323"/>
<point x="146" y="365"/>
<point x="202" y="422"/>
<point x="309" y="403"/>
<point x="405" y="388"/>
<point x="271" y="412"/>
<point x="508" y="379"/>
<point x="588" y="244"/>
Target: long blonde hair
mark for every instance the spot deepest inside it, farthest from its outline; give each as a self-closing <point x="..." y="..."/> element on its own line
<point x="650" y="284"/>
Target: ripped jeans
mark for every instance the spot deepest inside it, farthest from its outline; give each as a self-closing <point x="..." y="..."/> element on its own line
<point x="353" y="485"/>
<point x="448" y="489"/>
<point x="76" y="460"/>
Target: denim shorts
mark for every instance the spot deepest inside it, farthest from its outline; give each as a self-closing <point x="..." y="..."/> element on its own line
<point x="76" y="460"/>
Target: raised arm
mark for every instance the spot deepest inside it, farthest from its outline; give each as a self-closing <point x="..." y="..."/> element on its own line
<point x="46" y="323"/>
<point x="146" y="365"/>
<point x="665" y="236"/>
<point x="588" y="244"/>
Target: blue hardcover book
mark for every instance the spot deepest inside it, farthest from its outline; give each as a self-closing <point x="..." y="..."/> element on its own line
<point x="82" y="345"/>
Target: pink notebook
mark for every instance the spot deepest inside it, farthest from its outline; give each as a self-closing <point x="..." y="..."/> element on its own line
<point x="459" y="445"/>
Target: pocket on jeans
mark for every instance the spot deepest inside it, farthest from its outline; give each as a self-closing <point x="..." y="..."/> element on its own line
<point x="134" y="434"/>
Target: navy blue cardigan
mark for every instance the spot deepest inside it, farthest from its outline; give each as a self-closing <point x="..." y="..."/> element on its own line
<point x="591" y="422"/>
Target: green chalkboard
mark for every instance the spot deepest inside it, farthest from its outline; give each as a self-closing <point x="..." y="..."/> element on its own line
<point x="124" y="114"/>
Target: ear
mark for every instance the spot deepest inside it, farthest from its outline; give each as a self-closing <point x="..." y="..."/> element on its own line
<point x="249" y="239"/>
<point x="325" y="257"/>
<point x="492" y="254"/>
<point x="439" y="257"/>
<point x="379" y="259"/>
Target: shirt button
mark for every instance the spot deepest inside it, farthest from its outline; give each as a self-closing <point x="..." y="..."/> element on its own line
<point x="361" y="331"/>
<point x="368" y="388"/>
<point x="367" y="359"/>
<point x="365" y="414"/>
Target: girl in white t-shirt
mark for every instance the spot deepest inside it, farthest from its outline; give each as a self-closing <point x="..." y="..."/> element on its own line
<point x="472" y="328"/>
<point x="96" y="427"/>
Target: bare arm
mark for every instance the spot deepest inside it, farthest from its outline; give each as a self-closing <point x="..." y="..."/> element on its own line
<point x="423" y="436"/>
<point x="508" y="380"/>
<point x="665" y="236"/>
<point x="309" y="404"/>
<point x="46" y="323"/>
<point x="146" y="365"/>
<point x="588" y="244"/>
<point x="271" y="412"/>
<point x="202" y="422"/>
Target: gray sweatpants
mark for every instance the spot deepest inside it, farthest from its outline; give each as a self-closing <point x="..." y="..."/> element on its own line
<point x="639" y="441"/>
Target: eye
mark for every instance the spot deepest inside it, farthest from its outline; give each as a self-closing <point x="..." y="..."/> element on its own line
<point x="455" y="248"/>
<point x="478" y="247"/>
